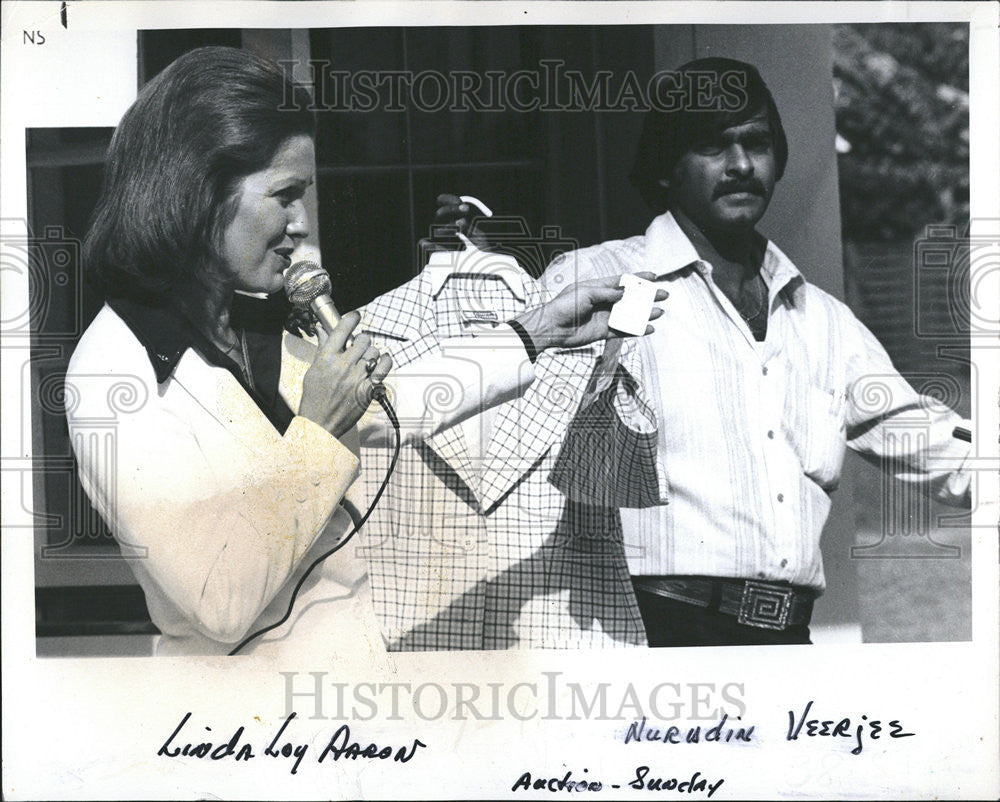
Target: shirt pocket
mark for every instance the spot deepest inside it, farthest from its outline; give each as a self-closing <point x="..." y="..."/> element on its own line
<point x="819" y="435"/>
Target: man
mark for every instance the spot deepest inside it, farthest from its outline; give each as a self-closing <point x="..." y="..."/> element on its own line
<point x="757" y="381"/>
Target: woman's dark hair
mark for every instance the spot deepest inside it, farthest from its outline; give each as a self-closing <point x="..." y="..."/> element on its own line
<point x="703" y="98"/>
<point x="214" y="116"/>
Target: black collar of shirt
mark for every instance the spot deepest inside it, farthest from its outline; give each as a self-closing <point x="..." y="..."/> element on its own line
<point x="166" y="334"/>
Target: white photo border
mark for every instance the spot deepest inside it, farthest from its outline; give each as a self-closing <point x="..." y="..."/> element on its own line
<point x="91" y="728"/>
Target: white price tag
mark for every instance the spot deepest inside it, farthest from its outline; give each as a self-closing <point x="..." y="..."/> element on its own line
<point x="631" y="314"/>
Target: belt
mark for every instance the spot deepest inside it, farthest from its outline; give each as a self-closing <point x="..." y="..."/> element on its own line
<point x="768" y="605"/>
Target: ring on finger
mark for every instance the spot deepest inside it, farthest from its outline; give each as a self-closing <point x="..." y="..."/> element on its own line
<point x="370" y="358"/>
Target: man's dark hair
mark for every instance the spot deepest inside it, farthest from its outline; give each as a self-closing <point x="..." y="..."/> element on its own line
<point x="711" y="94"/>
<point x="211" y="118"/>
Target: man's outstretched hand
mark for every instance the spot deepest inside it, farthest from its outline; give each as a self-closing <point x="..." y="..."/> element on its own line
<point x="579" y="314"/>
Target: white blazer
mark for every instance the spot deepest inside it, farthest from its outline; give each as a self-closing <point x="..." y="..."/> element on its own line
<point x="218" y="514"/>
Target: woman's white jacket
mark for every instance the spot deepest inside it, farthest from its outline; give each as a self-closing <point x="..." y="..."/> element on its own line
<point x="218" y="513"/>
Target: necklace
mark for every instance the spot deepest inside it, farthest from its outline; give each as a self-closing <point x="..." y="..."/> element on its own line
<point x="756" y="321"/>
<point x="245" y="367"/>
<point x="241" y="357"/>
<point x="758" y="296"/>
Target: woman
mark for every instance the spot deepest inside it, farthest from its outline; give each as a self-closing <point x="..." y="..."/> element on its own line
<point x="226" y="479"/>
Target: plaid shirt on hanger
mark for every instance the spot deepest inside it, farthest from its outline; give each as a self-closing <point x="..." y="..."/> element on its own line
<point x="471" y="547"/>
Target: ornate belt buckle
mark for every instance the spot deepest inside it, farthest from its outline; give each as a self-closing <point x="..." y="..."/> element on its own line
<point x="765" y="605"/>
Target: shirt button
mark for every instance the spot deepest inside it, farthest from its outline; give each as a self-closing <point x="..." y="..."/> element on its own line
<point x="301" y="497"/>
<point x="770" y="434"/>
<point x="781" y="496"/>
<point x="316" y="477"/>
<point x="764" y="370"/>
<point x="784" y="563"/>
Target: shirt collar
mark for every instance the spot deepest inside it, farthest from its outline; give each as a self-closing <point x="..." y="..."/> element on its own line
<point x="163" y="333"/>
<point x="442" y="265"/>
<point x="166" y="334"/>
<point x="669" y="250"/>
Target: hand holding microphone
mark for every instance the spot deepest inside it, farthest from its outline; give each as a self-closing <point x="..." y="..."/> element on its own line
<point x="337" y="388"/>
<point x="307" y="286"/>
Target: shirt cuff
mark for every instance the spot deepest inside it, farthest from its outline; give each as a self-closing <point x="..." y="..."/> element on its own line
<point x="529" y="344"/>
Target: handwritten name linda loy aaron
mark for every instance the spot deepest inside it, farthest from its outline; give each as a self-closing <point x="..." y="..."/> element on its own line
<point x="339" y="746"/>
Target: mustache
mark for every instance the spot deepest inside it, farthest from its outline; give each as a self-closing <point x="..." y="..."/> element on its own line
<point x="751" y="185"/>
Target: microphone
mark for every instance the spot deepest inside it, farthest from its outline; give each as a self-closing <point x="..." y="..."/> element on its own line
<point x="308" y="285"/>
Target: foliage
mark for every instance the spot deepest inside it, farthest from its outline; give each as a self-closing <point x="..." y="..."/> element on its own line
<point x="902" y="107"/>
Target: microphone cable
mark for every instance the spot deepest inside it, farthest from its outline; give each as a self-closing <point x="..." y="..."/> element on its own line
<point x="380" y="395"/>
